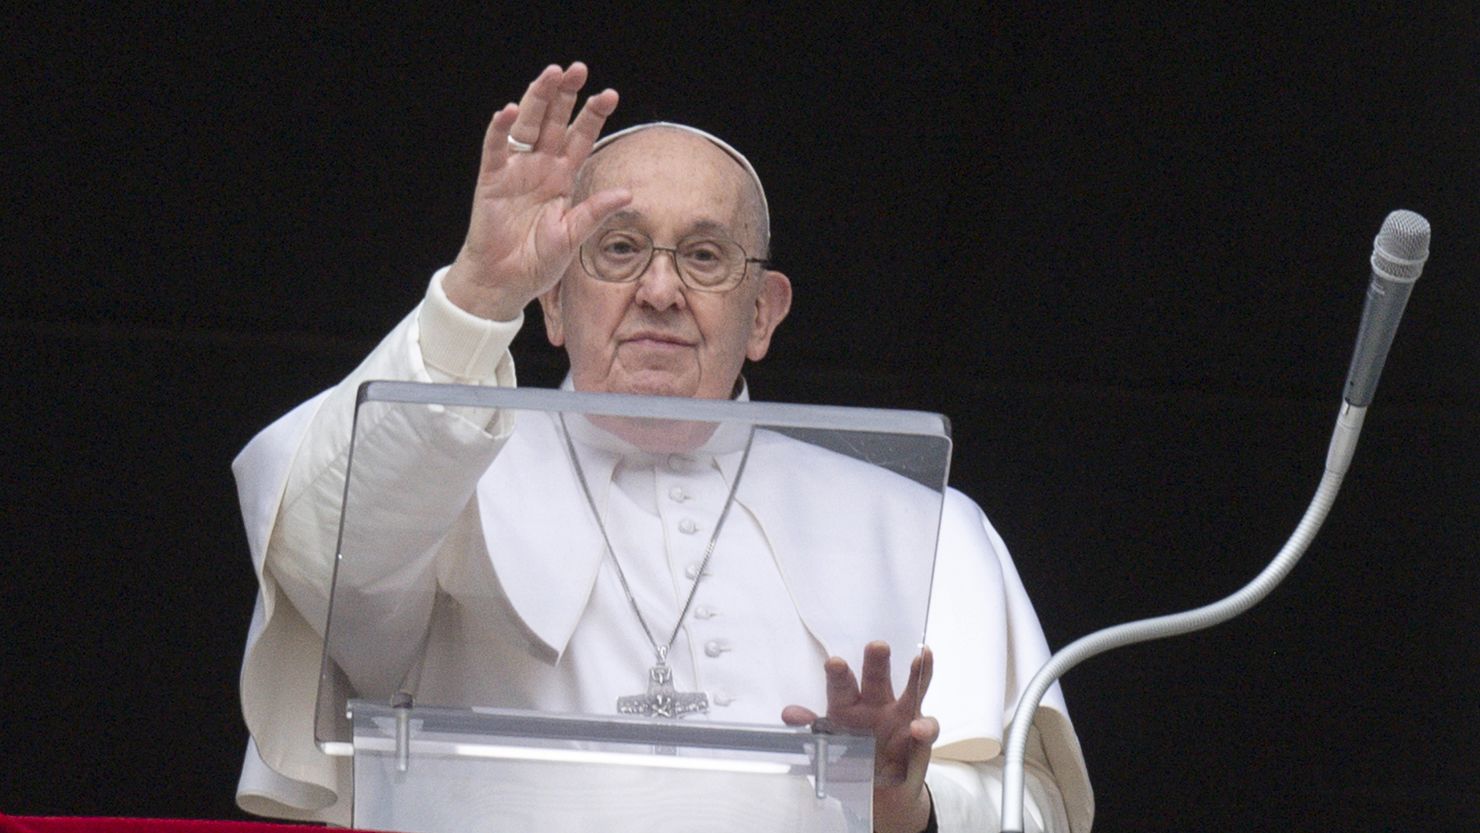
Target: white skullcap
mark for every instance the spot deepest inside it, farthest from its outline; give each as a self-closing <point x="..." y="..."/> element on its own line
<point x="717" y="141"/>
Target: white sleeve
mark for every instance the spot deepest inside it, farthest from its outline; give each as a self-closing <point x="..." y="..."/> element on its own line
<point x="425" y="461"/>
<point x="988" y="645"/>
<point x="290" y="479"/>
<point x="457" y="346"/>
<point x="968" y="797"/>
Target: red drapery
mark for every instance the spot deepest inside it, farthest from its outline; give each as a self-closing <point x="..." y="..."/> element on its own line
<point x="88" y="824"/>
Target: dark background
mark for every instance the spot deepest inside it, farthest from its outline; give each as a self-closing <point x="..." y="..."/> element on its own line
<point x="1124" y="251"/>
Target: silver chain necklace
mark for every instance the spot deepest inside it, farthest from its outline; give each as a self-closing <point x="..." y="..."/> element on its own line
<point x="661" y="699"/>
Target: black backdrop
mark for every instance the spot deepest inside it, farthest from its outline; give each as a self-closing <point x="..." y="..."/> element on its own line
<point x="1124" y="251"/>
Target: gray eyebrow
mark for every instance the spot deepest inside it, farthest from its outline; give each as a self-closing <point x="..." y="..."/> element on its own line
<point x="631" y="216"/>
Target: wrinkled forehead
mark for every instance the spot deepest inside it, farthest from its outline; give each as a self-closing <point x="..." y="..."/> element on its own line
<point x="654" y="130"/>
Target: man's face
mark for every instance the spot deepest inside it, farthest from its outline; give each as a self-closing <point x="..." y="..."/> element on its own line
<point x="655" y="335"/>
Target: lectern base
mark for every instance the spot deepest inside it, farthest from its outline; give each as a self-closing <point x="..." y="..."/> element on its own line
<point x="496" y="771"/>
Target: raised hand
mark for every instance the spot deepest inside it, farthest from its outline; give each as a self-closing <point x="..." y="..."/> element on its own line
<point x="524" y="230"/>
<point x="902" y="737"/>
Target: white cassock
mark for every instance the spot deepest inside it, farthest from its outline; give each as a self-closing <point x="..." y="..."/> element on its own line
<point x="475" y="499"/>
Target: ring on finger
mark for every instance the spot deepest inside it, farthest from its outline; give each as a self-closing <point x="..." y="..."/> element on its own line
<point x="516" y="146"/>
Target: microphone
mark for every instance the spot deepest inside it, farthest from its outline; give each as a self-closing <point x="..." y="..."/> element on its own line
<point x="1398" y="255"/>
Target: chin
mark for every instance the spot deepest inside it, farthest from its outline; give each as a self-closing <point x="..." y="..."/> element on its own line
<point x="663" y="389"/>
<point x="653" y="384"/>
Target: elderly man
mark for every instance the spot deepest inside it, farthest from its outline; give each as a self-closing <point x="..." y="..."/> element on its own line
<point x="646" y="252"/>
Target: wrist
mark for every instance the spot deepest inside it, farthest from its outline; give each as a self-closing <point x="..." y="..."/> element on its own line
<point x="458" y="346"/>
<point x="493" y="302"/>
<point x="931" y="825"/>
<point x="918" y="818"/>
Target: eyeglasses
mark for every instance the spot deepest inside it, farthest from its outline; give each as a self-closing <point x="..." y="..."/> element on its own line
<point x="704" y="263"/>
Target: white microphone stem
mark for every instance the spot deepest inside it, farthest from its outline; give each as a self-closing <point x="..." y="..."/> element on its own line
<point x="1338" y="458"/>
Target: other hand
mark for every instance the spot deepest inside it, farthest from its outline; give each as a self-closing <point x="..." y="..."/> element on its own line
<point x="902" y="737"/>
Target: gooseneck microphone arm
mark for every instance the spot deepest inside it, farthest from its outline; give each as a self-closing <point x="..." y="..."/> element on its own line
<point x="1397" y="259"/>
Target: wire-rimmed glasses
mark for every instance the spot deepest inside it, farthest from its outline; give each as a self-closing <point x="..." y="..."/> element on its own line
<point x="705" y="262"/>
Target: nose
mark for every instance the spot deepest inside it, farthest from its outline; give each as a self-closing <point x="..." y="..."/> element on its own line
<point x="659" y="286"/>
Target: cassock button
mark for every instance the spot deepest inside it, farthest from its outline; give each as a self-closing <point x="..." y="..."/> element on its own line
<point x="677" y="494"/>
<point x="723" y="698"/>
<point x="692" y="571"/>
<point x="679" y="462"/>
<point x="687" y="526"/>
<point x="705" y="612"/>
<point x="714" y="647"/>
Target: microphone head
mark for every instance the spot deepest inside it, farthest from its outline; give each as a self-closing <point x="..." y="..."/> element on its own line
<point x="1401" y="247"/>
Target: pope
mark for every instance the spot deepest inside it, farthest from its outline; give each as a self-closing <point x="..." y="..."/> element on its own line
<point x="647" y="253"/>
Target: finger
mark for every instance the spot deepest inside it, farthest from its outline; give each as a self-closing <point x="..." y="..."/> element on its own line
<point x="922" y="668"/>
<point x="906" y="753"/>
<point x="587" y="126"/>
<point x="582" y="219"/>
<point x="533" y="105"/>
<point x="798" y="716"/>
<point x="842" y="686"/>
<point x="557" y="115"/>
<point x="877" y="686"/>
<point x="927" y="672"/>
<point x="924" y="731"/>
<point x="894" y="754"/>
<point x="496" y="139"/>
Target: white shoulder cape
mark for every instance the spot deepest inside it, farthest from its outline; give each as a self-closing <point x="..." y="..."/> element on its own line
<point x="981" y="625"/>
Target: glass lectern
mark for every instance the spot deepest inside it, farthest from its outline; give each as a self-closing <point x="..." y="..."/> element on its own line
<point x="561" y="611"/>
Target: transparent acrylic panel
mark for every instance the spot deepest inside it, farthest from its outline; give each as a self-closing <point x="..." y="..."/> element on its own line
<point x="543" y="571"/>
<point x="496" y="771"/>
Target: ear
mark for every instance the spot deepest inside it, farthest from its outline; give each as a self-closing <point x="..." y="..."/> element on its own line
<point x="554" y="322"/>
<point x="772" y="303"/>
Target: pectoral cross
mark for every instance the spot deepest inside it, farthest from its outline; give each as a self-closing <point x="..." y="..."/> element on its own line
<point x="662" y="699"/>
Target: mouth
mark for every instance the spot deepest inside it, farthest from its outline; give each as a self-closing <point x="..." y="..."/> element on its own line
<point x="656" y="340"/>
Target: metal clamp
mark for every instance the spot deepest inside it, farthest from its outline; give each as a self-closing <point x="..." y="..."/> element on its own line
<point x="402" y="703"/>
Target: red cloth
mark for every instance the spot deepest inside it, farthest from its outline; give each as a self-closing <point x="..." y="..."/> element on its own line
<point x="87" y="824"/>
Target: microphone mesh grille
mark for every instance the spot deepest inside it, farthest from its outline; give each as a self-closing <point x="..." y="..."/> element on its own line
<point x="1402" y="245"/>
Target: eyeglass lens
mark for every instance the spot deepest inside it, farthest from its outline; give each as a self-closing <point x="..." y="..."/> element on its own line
<point x="620" y="255"/>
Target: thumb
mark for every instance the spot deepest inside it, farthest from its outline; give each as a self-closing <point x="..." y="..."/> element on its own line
<point x="798" y="716"/>
<point x="581" y="220"/>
